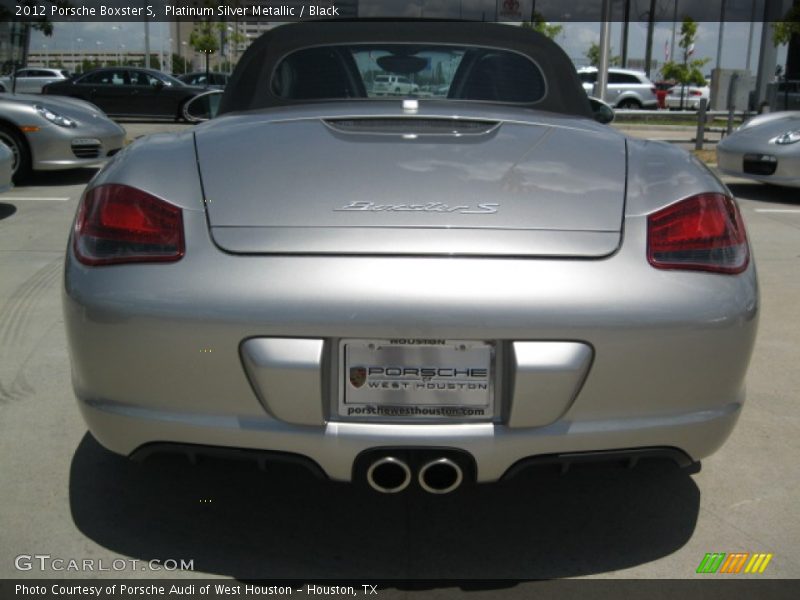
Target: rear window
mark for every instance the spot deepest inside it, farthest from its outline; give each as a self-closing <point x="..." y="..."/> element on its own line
<point x="623" y="78"/>
<point x="426" y="71"/>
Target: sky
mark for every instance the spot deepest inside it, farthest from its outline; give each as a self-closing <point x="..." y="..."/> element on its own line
<point x="575" y="39"/>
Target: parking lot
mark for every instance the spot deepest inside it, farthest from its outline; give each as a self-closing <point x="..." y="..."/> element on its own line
<point x="64" y="496"/>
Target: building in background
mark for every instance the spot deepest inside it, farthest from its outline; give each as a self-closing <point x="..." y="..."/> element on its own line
<point x="14" y="38"/>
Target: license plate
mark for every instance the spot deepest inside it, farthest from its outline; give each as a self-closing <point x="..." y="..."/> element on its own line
<point x="416" y="379"/>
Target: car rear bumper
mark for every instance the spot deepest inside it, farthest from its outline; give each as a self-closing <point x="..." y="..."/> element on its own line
<point x="689" y="102"/>
<point x="334" y="447"/>
<point x="157" y="350"/>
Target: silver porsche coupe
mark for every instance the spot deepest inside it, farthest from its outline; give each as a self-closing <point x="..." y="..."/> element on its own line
<point x="53" y="133"/>
<point x="766" y="148"/>
<point x="417" y="292"/>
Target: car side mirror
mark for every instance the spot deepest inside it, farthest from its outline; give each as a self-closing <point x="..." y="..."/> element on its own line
<point x="203" y="107"/>
<point x="158" y="84"/>
<point x="602" y="112"/>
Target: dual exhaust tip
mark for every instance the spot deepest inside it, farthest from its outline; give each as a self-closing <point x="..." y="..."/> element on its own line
<point x="391" y="475"/>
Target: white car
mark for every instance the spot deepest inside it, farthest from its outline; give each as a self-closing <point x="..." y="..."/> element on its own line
<point x="31" y="80"/>
<point x="393" y="85"/>
<point x="692" y="95"/>
<point x="627" y="89"/>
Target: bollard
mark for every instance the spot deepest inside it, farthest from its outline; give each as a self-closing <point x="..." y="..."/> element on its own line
<point x="701" y="124"/>
<point x="731" y="103"/>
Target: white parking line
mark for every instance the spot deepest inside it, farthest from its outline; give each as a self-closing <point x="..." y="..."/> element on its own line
<point x="30" y="198"/>
<point x="777" y="210"/>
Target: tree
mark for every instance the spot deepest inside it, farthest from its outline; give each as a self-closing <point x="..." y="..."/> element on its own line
<point x="22" y="32"/>
<point x="788" y="32"/>
<point x="593" y="56"/>
<point x="784" y="30"/>
<point x="88" y="65"/>
<point x="205" y="39"/>
<point x="179" y="64"/>
<point x="687" y="71"/>
<point x="540" y="25"/>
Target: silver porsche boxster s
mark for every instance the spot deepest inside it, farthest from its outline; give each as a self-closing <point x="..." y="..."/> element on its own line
<point x="414" y="292"/>
<point x="766" y="148"/>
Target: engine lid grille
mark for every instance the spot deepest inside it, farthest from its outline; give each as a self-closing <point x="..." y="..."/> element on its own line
<point x="412" y="126"/>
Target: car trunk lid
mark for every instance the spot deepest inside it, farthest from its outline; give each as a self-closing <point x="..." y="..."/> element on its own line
<point x="421" y="185"/>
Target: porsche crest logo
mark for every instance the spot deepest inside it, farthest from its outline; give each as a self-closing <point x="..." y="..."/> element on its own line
<point x="358" y="376"/>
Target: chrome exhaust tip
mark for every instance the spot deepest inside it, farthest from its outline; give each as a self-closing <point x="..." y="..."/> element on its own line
<point x="440" y="476"/>
<point x="388" y="475"/>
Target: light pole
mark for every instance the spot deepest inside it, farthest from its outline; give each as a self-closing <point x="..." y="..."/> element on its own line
<point x="46" y="60"/>
<point x="720" y="35"/>
<point x="98" y="43"/>
<point x="231" y="36"/>
<point x="118" y="28"/>
<point x="80" y="41"/>
<point x="183" y="60"/>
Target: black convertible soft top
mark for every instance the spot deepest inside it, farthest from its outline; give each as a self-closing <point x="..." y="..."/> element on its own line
<point x="249" y="85"/>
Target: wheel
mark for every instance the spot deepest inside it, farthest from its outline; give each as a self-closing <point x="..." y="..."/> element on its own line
<point x="21" y="163"/>
<point x="180" y="116"/>
<point x="630" y="104"/>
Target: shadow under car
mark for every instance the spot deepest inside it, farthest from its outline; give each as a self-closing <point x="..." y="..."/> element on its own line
<point x="234" y="519"/>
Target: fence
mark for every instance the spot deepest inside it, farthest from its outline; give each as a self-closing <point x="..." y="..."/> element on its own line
<point x="701" y="122"/>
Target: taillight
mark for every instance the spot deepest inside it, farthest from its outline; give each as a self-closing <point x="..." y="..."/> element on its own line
<point x="702" y="233"/>
<point x="654" y="89"/>
<point x="695" y="93"/>
<point x="121" y="224"/>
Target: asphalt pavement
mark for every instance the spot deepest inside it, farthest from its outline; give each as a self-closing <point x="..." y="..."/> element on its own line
<point x="63" y="495"/>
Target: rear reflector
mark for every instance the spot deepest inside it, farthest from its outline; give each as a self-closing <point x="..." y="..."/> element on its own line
<point x="702" y="233"/>
<point x="121" y="224"/>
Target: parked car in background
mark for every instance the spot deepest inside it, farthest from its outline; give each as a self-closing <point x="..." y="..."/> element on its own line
<point x="209" y="80"/>
<point x="6" y="168"/>
<point x="627" y="89"/>
<point x="765" y="148"/>
<point x="691" y="96"/>
<point x="393" y="85"/>
<point x="47" y="133"/>
<point x="129" y="92"/>
<point x="409" y="292"/>
<point x="31" y="80"/>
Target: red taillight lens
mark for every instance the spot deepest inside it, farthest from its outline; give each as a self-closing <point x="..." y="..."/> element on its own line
<point x="695" y="93"/>
<point x="121" y="224"/>
<point x="654" y="89"/>
<point x="702" y="233"/>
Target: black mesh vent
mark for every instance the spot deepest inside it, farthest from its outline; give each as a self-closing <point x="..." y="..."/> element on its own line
<point x="416" y="126"/>
<point x="86" y="150"/>
<point x="757" y="164"/>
